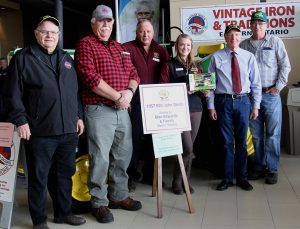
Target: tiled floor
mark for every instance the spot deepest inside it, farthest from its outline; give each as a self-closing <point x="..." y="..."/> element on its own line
<point x="266" y="207"/>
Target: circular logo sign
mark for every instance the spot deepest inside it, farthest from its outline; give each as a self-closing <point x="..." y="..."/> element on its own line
<point x="6" y="160"/>
<point x="197" y="24"/>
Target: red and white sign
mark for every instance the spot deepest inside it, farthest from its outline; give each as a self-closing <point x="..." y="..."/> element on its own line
<point x="208" y="23"/>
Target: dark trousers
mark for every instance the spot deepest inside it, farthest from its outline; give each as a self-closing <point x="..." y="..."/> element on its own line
<point x="142" y="146"/>
<point x="50" y="162"/>
<point x="233" y="121"/>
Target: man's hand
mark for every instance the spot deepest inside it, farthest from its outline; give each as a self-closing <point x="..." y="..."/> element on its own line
<point x="254" y="114"/>
<point x="213" y="114"/>
<point x="24" y="131"/>
<point x="80" y="127"/>
<point x="273" y="91"/>
<point x="127" y="95"/>
<point x="205" y="92"/>
<point x="122" y="103"/>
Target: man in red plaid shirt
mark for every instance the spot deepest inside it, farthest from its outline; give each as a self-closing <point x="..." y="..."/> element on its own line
<point x="108" y="81"/>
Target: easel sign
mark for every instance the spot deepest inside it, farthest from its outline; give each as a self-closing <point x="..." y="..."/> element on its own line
<point x="165" y="114"/>
<point x="9" y="152"/>
<point x="167" y="144"/>
<point x="164" y="108"/>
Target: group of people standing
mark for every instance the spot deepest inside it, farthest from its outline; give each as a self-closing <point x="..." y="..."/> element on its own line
<point x="50" y="110"/>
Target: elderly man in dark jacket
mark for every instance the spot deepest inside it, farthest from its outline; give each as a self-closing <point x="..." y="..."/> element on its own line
<point x="42" y="101"/>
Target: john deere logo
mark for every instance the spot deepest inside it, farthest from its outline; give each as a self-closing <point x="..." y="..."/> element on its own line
<point x="259" y="14"/>
<point x="196" y="24"/>
<point x="6" y="160"/>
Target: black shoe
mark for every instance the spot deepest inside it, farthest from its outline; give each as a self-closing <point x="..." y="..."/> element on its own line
<point x="41" y="226"/>
<point x="71" y="220"/>
<point x="245" y="185"/>
<point x="131" y="185"/>
<point x="103" y="214"/>
<point x="224" y="185"/>
<point x="271" y="178"/>
<point x="255" y="175"/>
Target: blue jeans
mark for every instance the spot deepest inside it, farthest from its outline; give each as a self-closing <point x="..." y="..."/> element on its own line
<point x="50" y="162"/>
<point x="233" y="120"/>
<point x="266" y="132"/>
<point x="110" y="149"/>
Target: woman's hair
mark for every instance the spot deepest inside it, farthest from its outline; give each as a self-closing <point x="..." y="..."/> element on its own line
<point x="190" y="58"/>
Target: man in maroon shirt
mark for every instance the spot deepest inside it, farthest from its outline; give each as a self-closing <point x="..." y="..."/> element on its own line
<point x="148" y="57"/>
<point x="108" y="80"/>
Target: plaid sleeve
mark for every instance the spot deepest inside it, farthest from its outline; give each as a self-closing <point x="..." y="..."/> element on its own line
<point x="85" y="64"/>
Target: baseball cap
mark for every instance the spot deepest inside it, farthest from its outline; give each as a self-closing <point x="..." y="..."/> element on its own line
<point x="48" y="18"/>
<point x="102" y="12"/>
<point x="259" y="15"/>
<point x="232" y="26"/>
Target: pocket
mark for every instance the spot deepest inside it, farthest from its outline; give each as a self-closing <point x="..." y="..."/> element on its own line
<point x="91" y="108"/>
<point x="219" y="100"/>
<point x="34" y="104"/>
<point x="269" y="57"/>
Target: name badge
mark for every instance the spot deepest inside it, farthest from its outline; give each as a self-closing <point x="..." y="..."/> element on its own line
<point x="125" y="53"/>
<point x="155" y="59"/>
<point x="224" y="62"/>
<point x="179" y="69"/>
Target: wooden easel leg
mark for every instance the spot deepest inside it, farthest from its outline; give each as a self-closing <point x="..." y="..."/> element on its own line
<point x="186" y="185"/>
<point x="154" y="182"/>
<point x="159" y="191"/>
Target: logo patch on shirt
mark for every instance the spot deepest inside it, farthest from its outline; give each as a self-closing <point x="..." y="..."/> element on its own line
<point x="156" y="57"/>
<point x="68" y="65"/>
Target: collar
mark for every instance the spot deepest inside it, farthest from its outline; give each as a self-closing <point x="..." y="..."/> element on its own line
<point x="108" y="42"/>
<point x="229" y="51"/>
<point x="140" y="44"/>
<point x="45" y="51"/>
<point x="266" y="38"/>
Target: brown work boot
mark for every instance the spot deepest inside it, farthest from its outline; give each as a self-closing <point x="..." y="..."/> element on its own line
<point x="103" y="214"/>
<point x="126" y="204"/>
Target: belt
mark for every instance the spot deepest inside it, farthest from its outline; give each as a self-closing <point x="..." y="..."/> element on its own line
<point x="265" y="89"/>
<point x="233" y="96"/>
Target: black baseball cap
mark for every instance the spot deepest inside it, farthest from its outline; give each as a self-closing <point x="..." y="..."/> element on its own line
<point x="232" y="26"/>
<point x="48" y="18"/>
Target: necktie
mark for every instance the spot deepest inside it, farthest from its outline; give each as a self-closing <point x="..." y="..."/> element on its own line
<point x="236" y="78"/>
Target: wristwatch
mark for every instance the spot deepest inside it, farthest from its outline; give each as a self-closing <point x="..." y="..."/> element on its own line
<point x="131" y="89"/>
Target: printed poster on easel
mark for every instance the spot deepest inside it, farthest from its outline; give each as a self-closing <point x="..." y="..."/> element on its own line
<point x="9" y="152"/>
<point x="164" y="108"/>
<point x="165" y="114"/>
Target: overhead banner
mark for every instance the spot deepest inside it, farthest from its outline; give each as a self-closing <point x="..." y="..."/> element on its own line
<point x="208" y="23"/>
<point x="131" y="11"/>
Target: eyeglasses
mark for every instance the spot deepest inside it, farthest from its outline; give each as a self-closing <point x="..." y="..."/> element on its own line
<point x="46" y="32"/>
<point x="258" y="23"/>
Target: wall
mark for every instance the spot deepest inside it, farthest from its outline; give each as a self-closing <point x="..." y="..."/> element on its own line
<point x="292" y="45"/>
<point x="11" y="29"/>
